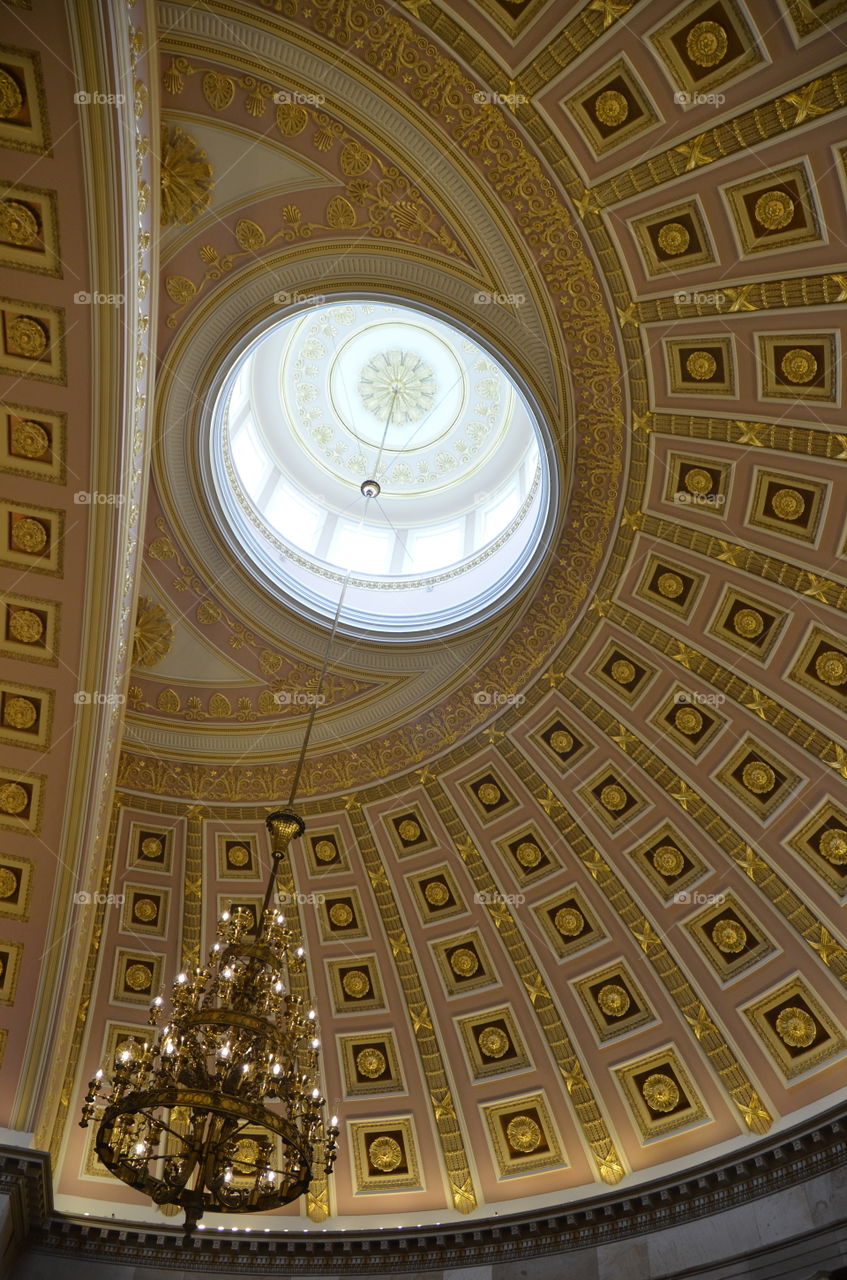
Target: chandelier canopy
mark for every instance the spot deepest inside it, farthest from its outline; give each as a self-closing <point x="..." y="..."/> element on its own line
<point x="221" y="1108"/>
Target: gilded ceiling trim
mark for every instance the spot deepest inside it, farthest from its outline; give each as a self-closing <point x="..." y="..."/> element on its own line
<point x="708" y="1035"/>
<point x="52" y="1141"/>
<point x="432" y="1064"/>
<point x="766" y="295"/>
<point x="583" y="30"/>
<point x="817" y="937"/>
<point x="781" y="572"/>
<point x="192" y="898"/>
<point x="595" y="1130"/>
<point x="108" y="50"/>
<point x="800" y="106"/>
<point x="767" y="435"/>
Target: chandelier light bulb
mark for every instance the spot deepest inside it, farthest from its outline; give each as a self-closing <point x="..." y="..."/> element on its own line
<point x="181" y="977"/>
<point x="316" y="1044"/>
<point x="98" y="1074"/>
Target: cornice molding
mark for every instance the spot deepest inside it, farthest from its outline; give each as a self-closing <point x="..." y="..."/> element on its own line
<point x="763" y="1169"/>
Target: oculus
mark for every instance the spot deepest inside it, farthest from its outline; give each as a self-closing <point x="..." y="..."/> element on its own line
<point x="376" y="449"/>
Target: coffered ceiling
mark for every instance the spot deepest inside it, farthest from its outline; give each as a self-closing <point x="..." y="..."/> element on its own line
<point x="572" y="883"/>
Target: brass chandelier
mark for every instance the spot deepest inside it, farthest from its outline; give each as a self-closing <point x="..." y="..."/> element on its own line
<point x="221" y="1109"/>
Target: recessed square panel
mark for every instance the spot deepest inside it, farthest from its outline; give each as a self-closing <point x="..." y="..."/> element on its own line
<point x="137" y="976"/>
<point x="786" y="504"/>
<point x="811" y="17"/>
<point x="660" y="1094"/>
<point x="29" y="628"/>
<point x="748" y="624"/>
<point x="701" y="366"/>
<point x="31" y="537"/>
<point x="674" y="239"/>
<point x="16" y="875"/>
<point x="435" y="894"/>
<point x="612" y="798"/>
<point x="614" y="1001"/>
<point x="523" y="1137"/>
<point x="21" y="797"/>
<point x="704" y="45"/>
<point x="237" y="857"/>
<point x="26" y="715"/>
<point x="29" y="236"/>
<point x="822" y="842"/>
<point x="798" y="366"/>
<point x="822" y="667"/>
<point x="32" y="442"/>
<point x="355" y="984"/>
<point x="670" y="585"/>
<point x="796" y="1028"/>
<point x="340" y="915"/>
<point x="528" y="855"/>
<point x="669" y="862"/>
<point x="409" y="832"/>
<point x="385" y="1155"/>
<point x="32" y="340"/>
<point x="757" y="778"/>
<point x="562" y="743"/>
<point x="145" y="909"/>
<point x="729" y="937"/>
<point x="326" y="851"/>
<point x="10" y="964"/>
<point x="612" y="109"/>
<point x="150" y="847"/>
<point x="568" y="922"/>
<point x="772" y="211"/>
<point x="622" y="671"/>
<point x="490" y="797"/>
<point x="23" y="123"/>
<point x="371" y="1064"/>
<point x="493" y="1044"/>
<point x="696" y="484"/>
<point x="689" y="718"/>
<point x="464" y="963"/>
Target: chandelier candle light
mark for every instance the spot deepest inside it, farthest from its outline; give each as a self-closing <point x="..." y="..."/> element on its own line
<point x="221" y="1110"/>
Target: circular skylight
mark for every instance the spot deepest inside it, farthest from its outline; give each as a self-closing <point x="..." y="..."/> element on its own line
<point x="376" y="450"/>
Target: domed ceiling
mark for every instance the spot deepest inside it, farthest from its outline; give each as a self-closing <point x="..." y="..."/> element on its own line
<point x="575" y="860"/>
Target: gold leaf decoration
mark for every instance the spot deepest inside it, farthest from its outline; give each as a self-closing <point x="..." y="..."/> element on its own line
<point x="218" y="90"/>
<point x="154" y="633"/>
<point x="340" y="213"/>
<point x="186" y="177"/>
<point x="249" y="234"/>
<point x="219" y="706"/>
<point x="180" y="288"/>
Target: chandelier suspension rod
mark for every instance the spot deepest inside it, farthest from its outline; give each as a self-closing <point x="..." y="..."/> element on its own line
<point x="295" y="783"/>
